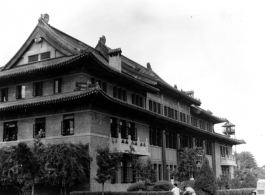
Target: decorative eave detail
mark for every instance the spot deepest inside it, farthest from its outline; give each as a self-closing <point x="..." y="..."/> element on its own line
<point x="97" y="91"/>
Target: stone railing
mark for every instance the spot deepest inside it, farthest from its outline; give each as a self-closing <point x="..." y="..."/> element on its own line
<point x="228" y="160"/>
<point x="123" y="145"/>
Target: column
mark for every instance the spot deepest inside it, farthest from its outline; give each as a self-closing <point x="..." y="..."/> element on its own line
<point x="164" y="163"/>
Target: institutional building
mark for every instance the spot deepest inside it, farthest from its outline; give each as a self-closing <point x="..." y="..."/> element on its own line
<point x="69" y="91"/>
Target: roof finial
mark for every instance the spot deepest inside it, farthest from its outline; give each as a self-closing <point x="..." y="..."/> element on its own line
<point x="46" y="18"/>
<point x="102" y="39"/>
<point x="149" y="66"/>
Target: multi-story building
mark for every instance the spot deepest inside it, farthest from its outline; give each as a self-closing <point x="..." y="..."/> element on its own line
<point x="71" y="92"/>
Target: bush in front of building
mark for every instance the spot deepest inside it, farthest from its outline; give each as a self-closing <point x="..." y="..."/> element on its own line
<point x="138" y="186"/>
<point x="162" y="186"/>
<point x="124" y="193"/>
<point x="205" y="181"/>
<point x="190" y="183"/>
<point x="242" y="191"/>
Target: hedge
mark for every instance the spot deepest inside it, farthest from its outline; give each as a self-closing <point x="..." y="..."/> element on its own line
<point x="242" y="191"/>
<point x="135" y="187"/>
<point x="123" y="193"/>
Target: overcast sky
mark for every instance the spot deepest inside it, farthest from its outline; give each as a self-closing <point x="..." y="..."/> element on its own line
<point x="215" y="48"/>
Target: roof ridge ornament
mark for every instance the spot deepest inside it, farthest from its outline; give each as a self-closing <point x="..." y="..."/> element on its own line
<point x="45" y="18"/>
<point x="102" y="39"/>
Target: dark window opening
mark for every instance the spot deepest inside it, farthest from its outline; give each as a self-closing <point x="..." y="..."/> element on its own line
<point x="20" y="92"/>
<point x="37" y="89"/>
<point x="4" y="94"/>
<point x="39" y="127"/>
<point x="33" y="58"/>
<point x="114" y="128"/>
<point x="68" y="125"/>
<point x="57" y="85"/>
<point x="45" y="55"/>
<point x="10" y="131"/>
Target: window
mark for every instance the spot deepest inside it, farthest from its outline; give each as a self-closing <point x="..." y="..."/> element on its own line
<point x="124" y="129"/>
<point x="68" y="125"/>
<point x="155" y="136"/>
<point x="176" y="114"/>
<point x="155" y="107"/>
<point x="37" y="89"/>
<point x="114" y="128"/>
<point x="183" y="117"/>
<point x="126" y="172"/>
<point x="202" y="124"/>
<point x="198" y="142"/>
<point x="39" y="127"/>
<point x="171" y="139"/>
<point x="4" y="94"/>
<point x="10" y="131"/>
<point x="208" y="146"/>
<point x="186" y="141"/>
<point x="209" y="127"/>
<point x="45" y="55"/>
<point x="119" y="93"/>
<point x="33" y="58"/>
<point x="133" y="131"/>
<point x="194" y="121"/>
<point x="20" y="91"/>
<point x="137" y="100"/>
<point x="224" y="151"/>
<point x="57" y="85"/>
<point x="225" y="170"/>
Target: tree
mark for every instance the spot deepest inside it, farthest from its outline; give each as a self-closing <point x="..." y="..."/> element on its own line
<point x="188" y="158"/>
<point x="66" y="164"/>
<point x="249" y="181"/>
<point x="205" y="180"/>
<point x="246" y="160"/>
<point x="107" y="162"/>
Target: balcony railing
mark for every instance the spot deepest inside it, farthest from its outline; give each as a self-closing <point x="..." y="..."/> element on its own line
<point x="228" y="160"/>
<point x="123" y="145"/>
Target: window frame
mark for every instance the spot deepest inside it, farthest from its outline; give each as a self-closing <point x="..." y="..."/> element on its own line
<point x="57" y="88"/>
<point x="67" y="119"/>
<point x="14" y="132"/>
<point x="39" y="123"/>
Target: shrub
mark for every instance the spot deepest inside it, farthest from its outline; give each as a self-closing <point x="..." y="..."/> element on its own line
<point x="206" y="181"/>
<point x="243" y="191"/>
<point x="121" y="193"/>
<point x="162" y="186"/>
<point x="137" y="186"/>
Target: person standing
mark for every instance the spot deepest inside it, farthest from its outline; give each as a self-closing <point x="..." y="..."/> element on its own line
<point x="175" y="190"/>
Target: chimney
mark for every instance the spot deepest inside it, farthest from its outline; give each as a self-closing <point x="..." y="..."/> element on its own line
<point x="115" y="58"/>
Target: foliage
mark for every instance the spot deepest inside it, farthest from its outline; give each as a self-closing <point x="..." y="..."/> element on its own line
<point x="224" y="182"/>
<point x="249" y="181"/>
<point x="246" y="160"/>
<point x="206" y="181"/>
<point x="107" y="162"/>
<point x="137" y="187"/>
<point x="247" y="191"/>
<point x="162" y="186"/>
<point x="123" y="193"/>
<point x="67" y="164"/>
<point x="24" y="166"/>
<point x="188" y="158"/>
<point x="143" y="171"/>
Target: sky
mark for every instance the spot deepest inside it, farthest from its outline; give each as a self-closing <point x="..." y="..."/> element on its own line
<point x="215" y="48"/>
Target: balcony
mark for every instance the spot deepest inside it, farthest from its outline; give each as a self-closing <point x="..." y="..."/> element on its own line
<point x="123" y="145"/>
<point x="228" y="160"/>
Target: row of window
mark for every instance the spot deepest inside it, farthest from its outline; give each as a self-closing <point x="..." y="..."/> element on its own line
<point x="224" y="151"/>
<point x="123" y="127"/>
<point x="37" y="57"/>
<point x="39" y="128"/>
<point x="37" y="90"/>
<point x="156" y="139"/>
